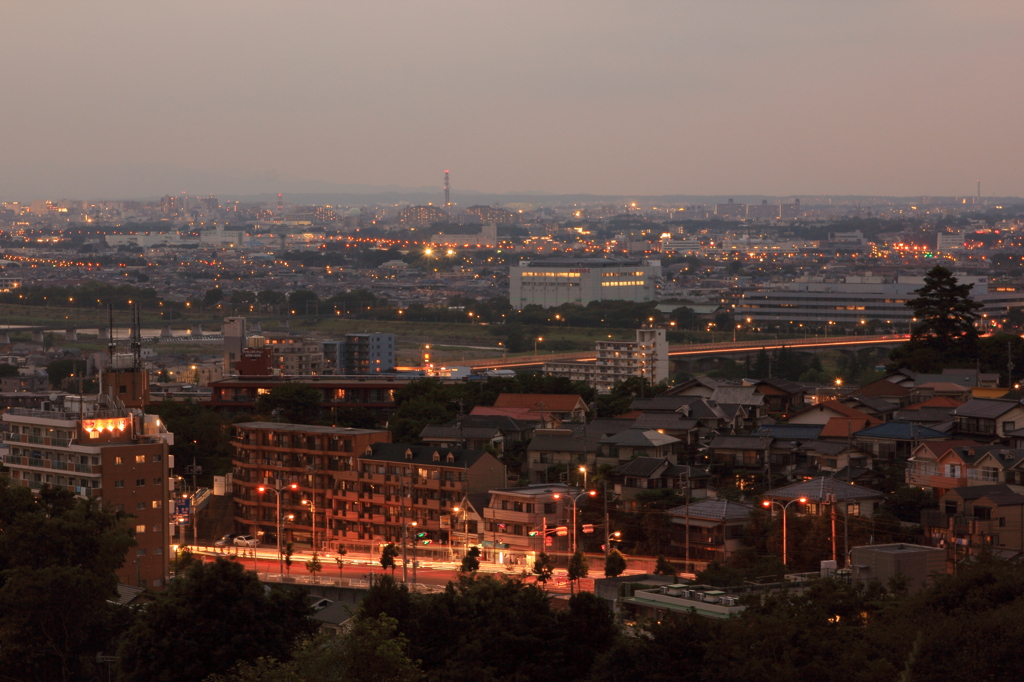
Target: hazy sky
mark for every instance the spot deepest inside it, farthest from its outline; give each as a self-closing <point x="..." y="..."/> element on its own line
<point x="120" y="99"/>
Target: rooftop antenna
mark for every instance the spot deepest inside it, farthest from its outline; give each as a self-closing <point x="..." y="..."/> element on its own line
<point x="112" y="342"/>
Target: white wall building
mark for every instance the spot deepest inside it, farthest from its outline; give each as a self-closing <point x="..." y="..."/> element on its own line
<point x="554" y="282"/>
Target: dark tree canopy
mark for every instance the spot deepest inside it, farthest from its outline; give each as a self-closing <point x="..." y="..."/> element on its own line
<point x="58" y="555"/>
<point x="215" y="615"/>
<point x="295" y="403"/>
<point x="944" y="309"/>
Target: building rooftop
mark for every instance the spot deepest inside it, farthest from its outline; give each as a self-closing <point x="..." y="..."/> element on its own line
<point x="304" y="428"/>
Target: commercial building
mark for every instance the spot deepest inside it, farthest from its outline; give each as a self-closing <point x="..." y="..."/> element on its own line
<point x="519" y="523"/>
<point x="555" y="282"/>
<point x="857" y="300"/>
<point x="99" y="448"/>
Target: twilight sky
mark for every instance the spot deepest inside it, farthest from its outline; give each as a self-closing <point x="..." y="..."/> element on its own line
<point x="800" y="97"/>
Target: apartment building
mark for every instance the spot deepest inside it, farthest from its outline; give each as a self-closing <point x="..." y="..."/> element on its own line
<point x="321" y="460"/>
<point x="519" y="523"/>
<point x="617" y="361"/>
<point x="361" y="491"/>
<point x="294" y="355"/>
<point x="97" y="448"/>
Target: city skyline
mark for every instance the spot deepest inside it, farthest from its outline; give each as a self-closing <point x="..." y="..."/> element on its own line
<point x="778" y="99"/>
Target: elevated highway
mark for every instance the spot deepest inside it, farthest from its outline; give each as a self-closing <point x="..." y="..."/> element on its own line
<point x="690" y="352"/>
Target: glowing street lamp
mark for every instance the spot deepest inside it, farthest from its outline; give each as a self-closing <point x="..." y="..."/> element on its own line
<point x="557" y="496"/>
<point x="767" y="505"/>
<point x="277" y="492"/>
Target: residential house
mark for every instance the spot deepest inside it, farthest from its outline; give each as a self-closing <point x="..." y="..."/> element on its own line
<point x="701" y="387"/>
<point x="711" y="529"/>
<point x="553" y="450"/>
<point x="824" y="411"/>
<point x="781" y="396"/>
<point x="925" y="470"/>
<point x="879" y="408"/>
<point x="675" y="424"/>
<point x="752" y="402"/>
<point x="457" y="435"/>
<point x="658" y="473"/>
<point x="475" y="432"/>
<point x="830" y="457"/>
<point x="566" y="407"/>
<point x="974" y="519"/>
<point x="895" y="441"/>
<point x="825" y="490"/>
<point x="988" y="418"/>
<point x="741" y="452"/>
<point x="632" y="443"/>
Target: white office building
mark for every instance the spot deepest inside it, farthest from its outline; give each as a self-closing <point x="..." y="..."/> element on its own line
<point x="847" y="303"/>
<point x="554" y="282"/>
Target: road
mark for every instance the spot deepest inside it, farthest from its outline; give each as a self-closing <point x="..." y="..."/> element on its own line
<point x="685" y="349"/>
<point x="430" y="573"/>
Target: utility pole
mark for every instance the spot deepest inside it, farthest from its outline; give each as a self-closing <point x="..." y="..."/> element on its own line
<point x="405" y="531"/>
<point x="607" y="528"/>
<point x="1009" y="366"/>
<point x="687" y="555"/>
<point x="846" y="505"/>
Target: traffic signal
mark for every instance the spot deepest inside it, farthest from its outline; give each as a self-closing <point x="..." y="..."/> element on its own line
<point x="501" y="526"/>
<point x="421" y="535"/>
<point x="533" y="533"/>
<point x="427" y="542"/>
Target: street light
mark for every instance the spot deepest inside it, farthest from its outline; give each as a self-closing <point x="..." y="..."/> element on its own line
<point x="583" y="470"/>
<point x="558" y="496"/>
<point x="539" y="338"/>
<point x="312" y="512"/>
<point x="465" y="528"/>
<point x="767" y="505"/>
<point x="616" y="536"/>
<point x="277" y="492"/>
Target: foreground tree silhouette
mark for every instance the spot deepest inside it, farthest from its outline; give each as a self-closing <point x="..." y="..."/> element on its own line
<point x="471" y="562"/>
<point x="58" y="557"/>
<point x="614" y="564"/>
<point x="579" y="567"/>
<point x="205" y="622"/>
<point x="544" y="568"/>
<point x="387" y="557"/>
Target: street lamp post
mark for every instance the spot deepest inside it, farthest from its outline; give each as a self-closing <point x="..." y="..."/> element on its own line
<point x="277" y="492"/>
<point x="465" y="527"/>
<point x="414" y="540"/>
<point x="591" y="493"/>
<point x="539" y="338"/>
<point x="312" y="512"/>
<point x="767" y="505"/>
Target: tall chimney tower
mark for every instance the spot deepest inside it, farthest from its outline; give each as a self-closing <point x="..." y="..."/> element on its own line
<point x="447" y="198"/>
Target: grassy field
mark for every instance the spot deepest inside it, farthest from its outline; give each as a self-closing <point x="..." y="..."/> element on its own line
<point x="449" y="342"/>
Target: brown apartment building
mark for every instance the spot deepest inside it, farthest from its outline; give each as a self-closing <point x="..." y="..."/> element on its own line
<point x="364" y="490"/>
<point x="97" y="448"/>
